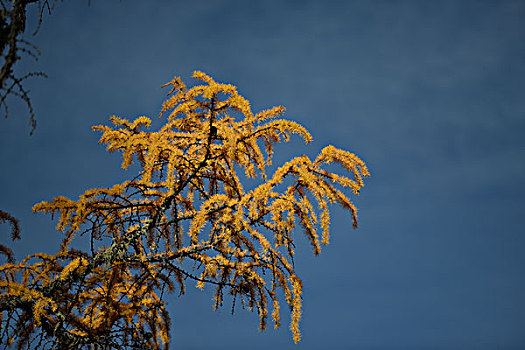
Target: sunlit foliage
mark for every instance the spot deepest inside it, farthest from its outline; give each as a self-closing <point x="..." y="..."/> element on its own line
<point x="185" y="218"/>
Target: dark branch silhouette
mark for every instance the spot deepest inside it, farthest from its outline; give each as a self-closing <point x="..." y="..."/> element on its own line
<point x="13" y="48"/>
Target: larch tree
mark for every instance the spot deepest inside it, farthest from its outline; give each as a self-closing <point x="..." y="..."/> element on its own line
<point x="183" y="218"/>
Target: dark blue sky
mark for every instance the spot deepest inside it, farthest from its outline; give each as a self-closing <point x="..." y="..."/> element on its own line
<point x="430" y="94"/>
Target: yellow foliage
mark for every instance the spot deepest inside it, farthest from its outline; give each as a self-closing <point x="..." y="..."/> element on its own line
<point x="184" y="216"/>
<point x="78" y="266"/>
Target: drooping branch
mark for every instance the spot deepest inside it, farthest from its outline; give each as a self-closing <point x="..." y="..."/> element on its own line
<point x="12" y="49"/>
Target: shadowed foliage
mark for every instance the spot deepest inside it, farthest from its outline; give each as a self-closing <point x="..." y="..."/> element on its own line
<point x="13" y="48"/>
